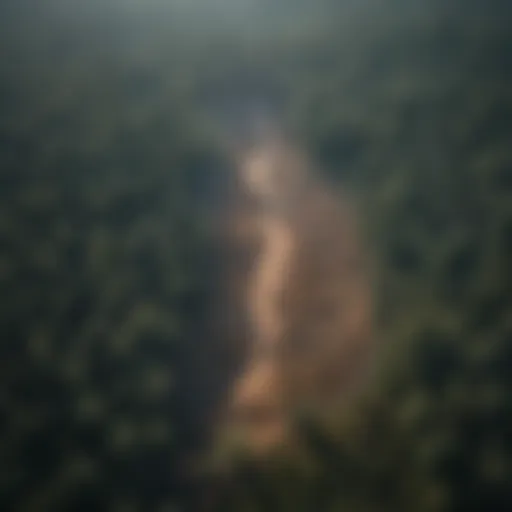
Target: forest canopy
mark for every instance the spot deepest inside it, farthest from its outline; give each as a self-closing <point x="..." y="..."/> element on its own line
<point x="113" y="167"/>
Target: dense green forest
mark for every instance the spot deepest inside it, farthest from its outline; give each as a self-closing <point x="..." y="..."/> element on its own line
<point x="113" y="117"/>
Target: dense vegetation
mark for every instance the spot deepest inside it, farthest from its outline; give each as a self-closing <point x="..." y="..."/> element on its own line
<point x="416" y="116"/>
<point x="110" y="169"/>
<point x="105" y="274"/>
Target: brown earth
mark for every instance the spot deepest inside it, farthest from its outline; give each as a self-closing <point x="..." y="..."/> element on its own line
<point x="306" y="294"/>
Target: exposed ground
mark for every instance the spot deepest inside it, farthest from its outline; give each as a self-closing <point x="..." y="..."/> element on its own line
<point x="306" y="294"/>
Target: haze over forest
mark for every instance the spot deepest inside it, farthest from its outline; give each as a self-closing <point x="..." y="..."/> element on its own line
<point x="255" y="255"/>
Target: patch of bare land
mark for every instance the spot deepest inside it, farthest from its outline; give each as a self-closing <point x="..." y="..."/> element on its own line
<point x="305" y="293"/>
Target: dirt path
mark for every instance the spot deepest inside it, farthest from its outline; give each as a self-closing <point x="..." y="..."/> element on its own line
<point x="257" y="394"/>
<point x="269" y="276"/>
<point x="307" y="297"/>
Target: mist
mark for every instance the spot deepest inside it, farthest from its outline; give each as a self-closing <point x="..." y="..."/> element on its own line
<point x="255" y="255"/>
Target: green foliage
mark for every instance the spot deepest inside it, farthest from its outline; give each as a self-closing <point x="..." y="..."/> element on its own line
<point x="110" y="170"/>
<point x="104" y="277"/>
<point x="414" y="119"/>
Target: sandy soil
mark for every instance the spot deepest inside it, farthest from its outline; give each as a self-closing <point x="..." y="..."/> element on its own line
<point x="307" y="297"/>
